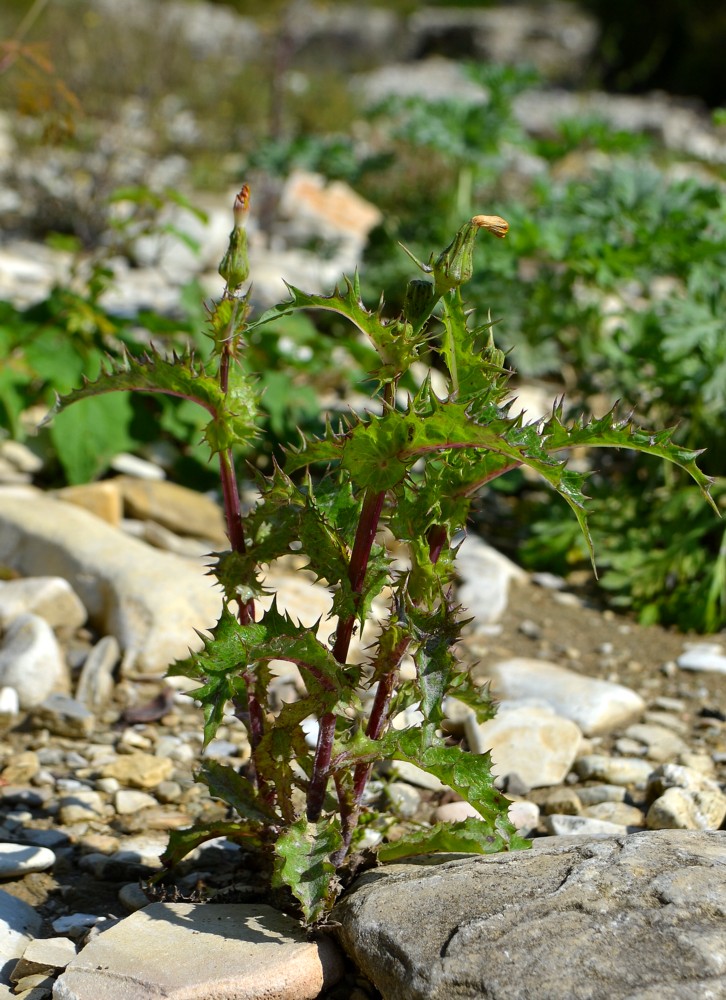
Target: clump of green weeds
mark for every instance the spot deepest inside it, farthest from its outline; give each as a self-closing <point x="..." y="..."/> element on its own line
<point x="410" y="467"/>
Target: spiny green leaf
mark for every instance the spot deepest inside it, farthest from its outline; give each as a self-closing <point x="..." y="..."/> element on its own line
<point x="311" y="450"/>
<point x="476" y="370"/>
<point x="477" y="698"/>
<point x="302" y="862"/>
<point x="396" y="343"/>
<point x="225" y="782"/>
<point x="470" y="836"/>
<point x="435" y="633"/>
<point x="611" y="432"/>
<point x="467" y="773"/>
<point x="181" y="842"/>
<point x="233" y="414"/>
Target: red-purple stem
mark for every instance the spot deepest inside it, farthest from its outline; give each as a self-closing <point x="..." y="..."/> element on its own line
<point x="437" y="538"/>
<point x="253" y="710"/>
<point x="364" y="537"/>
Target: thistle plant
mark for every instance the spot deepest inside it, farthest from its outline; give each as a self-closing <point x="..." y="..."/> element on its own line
<point x="407" y="470"/>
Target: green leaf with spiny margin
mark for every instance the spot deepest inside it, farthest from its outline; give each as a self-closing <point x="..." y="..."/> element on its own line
<point x="312" y="450"/>
<point x="284" y="743"/>
<point x="476" y="367"/>
<point x="468" y="774"/>
<point x="226" y="783"/>
<point x="233" y="414"/>
<point x="611" y="432"/>
<point x="478" y="699"/>
<point x="220" y="664"/>
<point x="249" y="834"/>
<point x="302" y="862"/>
<point x="470" y="836"/>
<point x="435" y="633"/>
<point x="395" y="342"/>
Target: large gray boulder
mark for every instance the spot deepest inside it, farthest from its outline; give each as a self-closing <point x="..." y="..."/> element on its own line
<point x="638" y="917"/>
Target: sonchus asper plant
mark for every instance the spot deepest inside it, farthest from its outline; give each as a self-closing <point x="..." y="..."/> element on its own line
<point x="411" y="468"/>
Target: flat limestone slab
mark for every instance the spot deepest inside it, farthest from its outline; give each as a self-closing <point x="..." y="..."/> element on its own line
<point x="213" y="951"/>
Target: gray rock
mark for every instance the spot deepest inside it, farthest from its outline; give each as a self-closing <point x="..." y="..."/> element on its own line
<point x="556" y="38"/>
<point x="225" y="952"/>
<point x="430" y="79"/>
<point x="19" y="922"/>
<point x="31" y="661"/>
<point x="81" y="806"/>
<point x="678" y="776"/>
<point x="49" y="597"/>
<point x="151" y="601"/>
<point x="44" y="955"/>
<point x="64" y="716"/>
<point x="96" y="683"/>
<point x="533" y="743"/>
<point x="591" y="795"/>
<point x="627" y="917"/>
<point x="596" y="706"/>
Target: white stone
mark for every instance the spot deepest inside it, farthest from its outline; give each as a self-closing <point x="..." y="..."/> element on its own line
<point x="19" y="922"/>
<point x="455" y="812"/>
<point x="9" y="703"/>
<point x="702" y="659"/>
<point x="613" y="770"/>
<point x="132" y="465"/>
<point x="596" y="706"/>
<point x="49" y="597"/>
<point x="127" y="801"/>
<point x="570" y="826"/>
<point x="19" y="859"/>
<point x="485" y="576"/>
<point x="525" y="816"/>
<point x="225" y="952"/>
<point x="414" y="775"/>
<point x="662" y="743"/>
<point x="533" y="743"/>
<point x="680" y="809"/>
<point x="31" y="660"/>
<point x="151" y="601"/>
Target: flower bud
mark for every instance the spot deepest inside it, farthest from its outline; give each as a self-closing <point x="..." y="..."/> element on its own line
<point x="235" y="266"/>
<point x="455" y="265"/>
<point x="419" y="300"/>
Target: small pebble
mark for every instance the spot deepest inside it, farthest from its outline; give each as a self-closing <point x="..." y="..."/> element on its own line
<point x="568" y="826"/>
<point x="593" y="794"/>
<point x="128" y="801"/>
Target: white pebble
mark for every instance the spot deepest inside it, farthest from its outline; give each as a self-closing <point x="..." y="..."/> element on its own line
<point x="19" y="859"/>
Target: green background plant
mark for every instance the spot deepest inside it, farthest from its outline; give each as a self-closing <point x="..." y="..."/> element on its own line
<point x="609" y="285"/>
